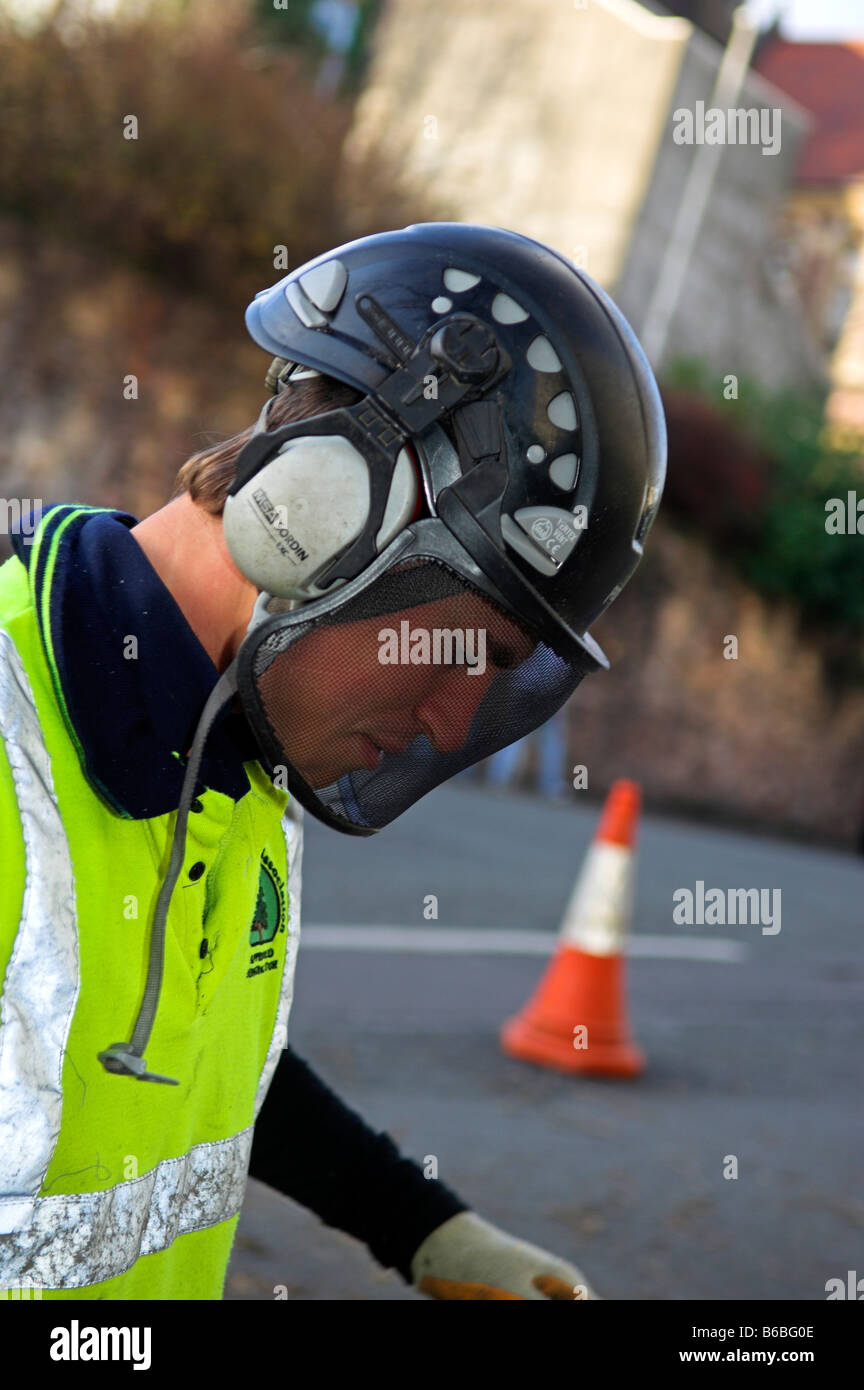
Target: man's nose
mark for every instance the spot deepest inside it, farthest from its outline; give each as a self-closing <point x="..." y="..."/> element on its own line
<point x="447" y="710"/>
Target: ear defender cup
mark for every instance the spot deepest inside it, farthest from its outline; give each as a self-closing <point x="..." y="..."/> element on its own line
<point x="300" y="511"/>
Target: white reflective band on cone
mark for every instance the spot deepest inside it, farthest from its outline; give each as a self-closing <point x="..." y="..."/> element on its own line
<point x="598" y="914"/>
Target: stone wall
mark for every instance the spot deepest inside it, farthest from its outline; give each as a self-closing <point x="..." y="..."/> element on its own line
<point x="765" y="739"/>
<point x="557" y="121"/>
<point x="541" y="117"/>
<point x="734" y="311"/>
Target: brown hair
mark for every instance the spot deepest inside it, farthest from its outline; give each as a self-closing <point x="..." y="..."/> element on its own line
<point x="207" y="475"/>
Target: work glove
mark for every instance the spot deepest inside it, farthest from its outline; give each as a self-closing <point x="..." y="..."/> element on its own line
<point x="468" y="1257"/>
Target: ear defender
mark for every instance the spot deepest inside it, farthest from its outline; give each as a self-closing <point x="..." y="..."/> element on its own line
<point x="300" y="511"/>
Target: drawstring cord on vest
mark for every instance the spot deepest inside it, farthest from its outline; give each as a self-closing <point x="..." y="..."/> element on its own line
<point x="127" y="1058"/>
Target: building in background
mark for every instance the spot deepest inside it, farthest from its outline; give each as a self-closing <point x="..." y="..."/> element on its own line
<point x="560" y="122"/>
<point x="822" y="221"/>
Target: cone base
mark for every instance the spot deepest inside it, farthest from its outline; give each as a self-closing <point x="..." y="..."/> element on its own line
<point x="616" y="1057"/>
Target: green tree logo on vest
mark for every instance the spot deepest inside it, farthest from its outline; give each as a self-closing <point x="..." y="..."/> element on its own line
<point x="270" y="917"/>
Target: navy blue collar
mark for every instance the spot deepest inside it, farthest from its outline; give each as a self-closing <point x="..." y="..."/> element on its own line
<point x="130" y="675"/>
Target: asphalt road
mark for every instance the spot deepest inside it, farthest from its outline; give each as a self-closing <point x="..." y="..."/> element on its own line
<point x="756" y="1056"/>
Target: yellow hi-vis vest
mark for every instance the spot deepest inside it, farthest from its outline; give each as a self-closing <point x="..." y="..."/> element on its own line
<point x="110" y="1187"/>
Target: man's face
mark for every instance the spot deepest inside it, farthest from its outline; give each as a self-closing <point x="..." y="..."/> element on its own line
<point x="342" y="694"/>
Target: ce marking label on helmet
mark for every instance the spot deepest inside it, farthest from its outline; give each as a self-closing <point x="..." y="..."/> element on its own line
<point x="552" y="534"/>
<point x="552" y="529"/>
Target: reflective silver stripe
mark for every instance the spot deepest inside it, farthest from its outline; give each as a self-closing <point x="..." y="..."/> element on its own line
<point x="69" y="1242"/>
<point x="80" y="1239"/>
<point x="292" y="826"/>
<point x="42" y="982"/>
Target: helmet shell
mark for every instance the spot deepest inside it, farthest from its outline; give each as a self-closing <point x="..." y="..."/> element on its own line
<point x="581" y="414"/>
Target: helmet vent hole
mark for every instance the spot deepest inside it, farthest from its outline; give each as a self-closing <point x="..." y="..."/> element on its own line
<point x="459" y="280"/>
<point x="562" y="471"/>
<point x="562" y="411"/>
<point x="506" y="310"/>
<point x="542" y="356"/>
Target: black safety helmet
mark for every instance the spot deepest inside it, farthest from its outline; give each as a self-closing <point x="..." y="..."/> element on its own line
<point x="538" y="429"/>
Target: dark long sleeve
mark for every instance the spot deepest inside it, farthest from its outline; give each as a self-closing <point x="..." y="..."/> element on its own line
<point x="312" y="1147"/>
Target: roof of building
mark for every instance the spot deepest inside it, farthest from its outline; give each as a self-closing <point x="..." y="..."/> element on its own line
<point x="827" y="79"/>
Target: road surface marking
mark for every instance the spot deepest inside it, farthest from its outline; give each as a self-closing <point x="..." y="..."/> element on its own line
<point x="496" y="942"/>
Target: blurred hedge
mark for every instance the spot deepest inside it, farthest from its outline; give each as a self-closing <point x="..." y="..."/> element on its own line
<point x="302" y="24"/>
<point x="717" y="478"/>
<point x="236" y="153"/>
<point x="753" y="476"/>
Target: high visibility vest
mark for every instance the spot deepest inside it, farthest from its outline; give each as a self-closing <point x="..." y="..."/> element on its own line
<point x="111" y="1187"/>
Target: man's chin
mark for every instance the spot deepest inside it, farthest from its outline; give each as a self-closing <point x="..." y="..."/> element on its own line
<point x="321" y="780"/>
<point x="361" y="754"/>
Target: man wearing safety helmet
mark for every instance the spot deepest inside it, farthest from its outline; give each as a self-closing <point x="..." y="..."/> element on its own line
<point x="464" y="445"/>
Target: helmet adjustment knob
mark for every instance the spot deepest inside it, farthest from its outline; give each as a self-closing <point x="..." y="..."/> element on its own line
<point x="467" y="348"/>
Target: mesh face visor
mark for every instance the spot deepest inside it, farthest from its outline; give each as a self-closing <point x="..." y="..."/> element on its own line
<point x="364" y="709"/>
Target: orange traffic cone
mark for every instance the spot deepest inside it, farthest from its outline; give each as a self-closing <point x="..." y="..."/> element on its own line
<point x="576" y="1020"/>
